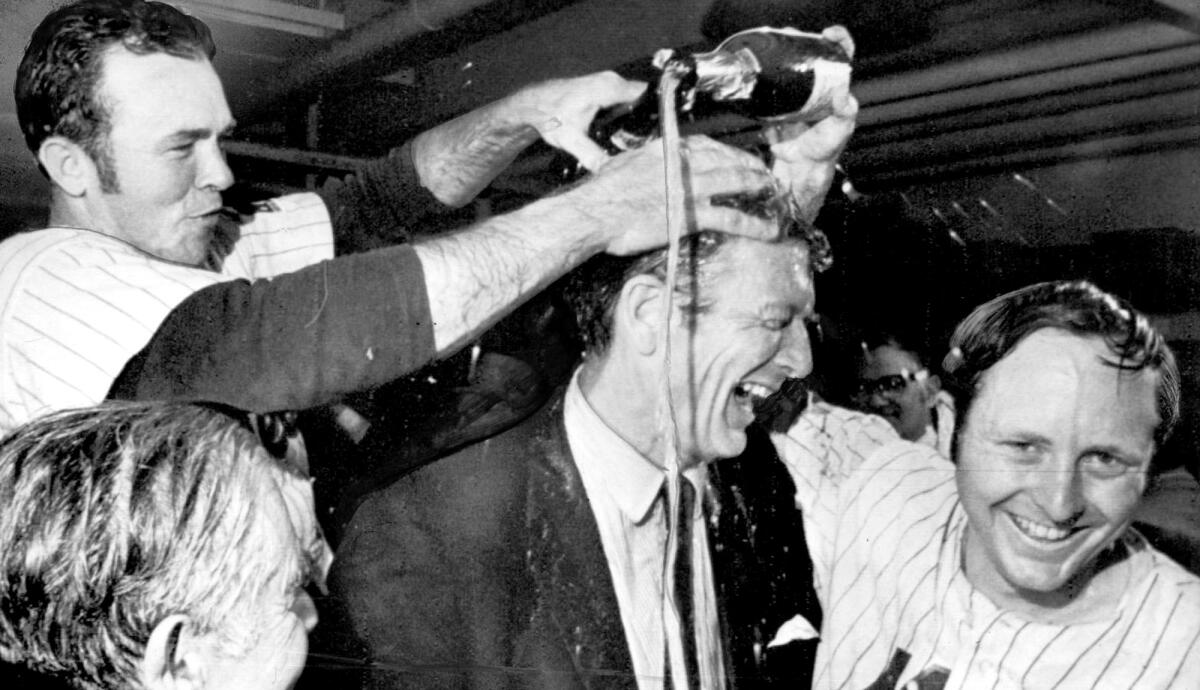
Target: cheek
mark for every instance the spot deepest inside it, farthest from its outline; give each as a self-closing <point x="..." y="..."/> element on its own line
<point x="1117" y="500"/>
<point x="164" y="182"/>
<point x="983" y="481"/>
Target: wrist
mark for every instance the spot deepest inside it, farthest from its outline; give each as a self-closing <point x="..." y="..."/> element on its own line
<point x="573" y="216"/>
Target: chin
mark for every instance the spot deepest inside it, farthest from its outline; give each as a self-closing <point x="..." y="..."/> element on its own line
<point x="1042" y="580"/>
<point x="731" y="445"/>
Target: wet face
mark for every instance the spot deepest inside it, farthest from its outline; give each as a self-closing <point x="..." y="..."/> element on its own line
<point x="905" y="406"/>
<point x="1052" y="463"/>
<point x="740" y="349"/>
<point x="286" y="613"/>
<point x="167" y="116"/>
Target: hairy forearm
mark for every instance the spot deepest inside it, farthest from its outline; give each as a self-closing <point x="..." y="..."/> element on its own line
<point x="458" y="159"/>
<point x="476" y="276"/>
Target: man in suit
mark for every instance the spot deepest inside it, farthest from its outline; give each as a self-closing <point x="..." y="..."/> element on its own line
<point x="546" y="556"/>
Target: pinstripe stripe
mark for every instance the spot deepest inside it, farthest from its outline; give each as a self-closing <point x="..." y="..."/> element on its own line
<point x="31" y="394"/>
<point x="286" y="228"/>
<point x="1154" y="649"/>
<point x="60" y="310"/>
<point x="38" y="365"/>
<point x="1140" y="607"/>
<point x="979" y="643"/>
<point x="1033" y="662"/>
<point x="83" y="291"/>
<point x="285" y="252"/>
<point x="1192" y="651"/>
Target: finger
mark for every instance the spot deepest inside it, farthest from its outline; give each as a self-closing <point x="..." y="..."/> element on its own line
<point x="615" y="89"/>
<point x="704" y="153"/>
<point x="587" y="152"/>
<point x="846" y="106"/>
<point x="734" y="222"/>
<point x="841" y="36"/>
<point x="784" y="131"/>
<point x="724" y="180"/>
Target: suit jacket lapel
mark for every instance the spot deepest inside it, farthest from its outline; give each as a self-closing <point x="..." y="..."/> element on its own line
<point x="576" y="622"/>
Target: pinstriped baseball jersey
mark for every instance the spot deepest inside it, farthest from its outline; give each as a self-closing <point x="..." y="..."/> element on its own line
<point x="78" y="304"/>
<point x="898" y="606"/>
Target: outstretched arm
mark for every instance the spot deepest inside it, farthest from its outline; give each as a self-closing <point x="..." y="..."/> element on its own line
<point x="305" y="339"/>
<point x="476" y="276"/>
<point x="386" y="201"/>
<point x="457" y="160"/>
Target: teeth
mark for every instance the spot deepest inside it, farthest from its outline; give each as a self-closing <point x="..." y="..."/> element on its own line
<point x="757" y="392"/>
<point x="1040" y="531"/>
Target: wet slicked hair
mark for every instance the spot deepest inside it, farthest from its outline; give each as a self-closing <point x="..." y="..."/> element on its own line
<point x="592" y="290"/>
<point x="118" y="516"/>
<point x="58" y="78"/>
<point x="996" y="327"/>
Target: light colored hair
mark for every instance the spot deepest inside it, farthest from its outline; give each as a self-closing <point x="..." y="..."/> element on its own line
<point x="118" y="516"/>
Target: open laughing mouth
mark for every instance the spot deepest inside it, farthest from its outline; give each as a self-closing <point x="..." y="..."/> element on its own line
<point x="1041" y="532"/>
<point x="752" y="394"/>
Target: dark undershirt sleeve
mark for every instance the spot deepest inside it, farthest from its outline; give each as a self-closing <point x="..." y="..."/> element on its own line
<point x="382" y="204"/>
<point x="309" y="337"/>
<point x="293" y="342"/>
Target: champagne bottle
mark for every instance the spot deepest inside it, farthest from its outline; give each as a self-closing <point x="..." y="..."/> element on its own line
<point x="768" y="74"/>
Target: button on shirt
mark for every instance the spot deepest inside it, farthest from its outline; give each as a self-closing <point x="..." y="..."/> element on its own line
<point x="623" y="488"/>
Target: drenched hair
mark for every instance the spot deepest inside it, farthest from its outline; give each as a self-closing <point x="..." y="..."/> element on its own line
<point x="592" y="289"/>
<point x="995" y="328"/>
<point x="118" y="516"/>
<point x="57" y="81"/>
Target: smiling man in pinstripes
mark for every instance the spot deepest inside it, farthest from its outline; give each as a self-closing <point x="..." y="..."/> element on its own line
<point x="1018" y="568"/>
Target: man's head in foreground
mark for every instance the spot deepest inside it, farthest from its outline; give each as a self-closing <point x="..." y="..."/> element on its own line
<point x="119" y="102"/>
<point x="737" y="331"/>
<point x="154" y="546"/>
<point x="1066" y="394"/>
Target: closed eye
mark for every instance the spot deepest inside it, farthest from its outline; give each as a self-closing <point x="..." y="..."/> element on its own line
<point x="1024" y="449"/>
<point x="1104" y="464"/>
<point x="777" y="324"/>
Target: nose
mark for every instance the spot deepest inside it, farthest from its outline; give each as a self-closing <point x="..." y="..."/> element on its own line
<point x="305" y="609"/>
<point x="795" y="354"/>
<point x="1061" y="493"/>
<point x="213" y="172"/>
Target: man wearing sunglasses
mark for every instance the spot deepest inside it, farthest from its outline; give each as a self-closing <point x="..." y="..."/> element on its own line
<point x="891" y="381"/>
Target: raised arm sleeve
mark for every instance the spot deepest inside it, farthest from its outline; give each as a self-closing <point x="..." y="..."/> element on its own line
<point x="299" y="340"/>
<point x="379" y="205"/>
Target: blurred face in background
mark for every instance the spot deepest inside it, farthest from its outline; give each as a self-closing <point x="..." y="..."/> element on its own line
<point x="892" y="384"/>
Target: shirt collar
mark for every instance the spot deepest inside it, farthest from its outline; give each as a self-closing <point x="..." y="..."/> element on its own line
<point x="633" y="481"/>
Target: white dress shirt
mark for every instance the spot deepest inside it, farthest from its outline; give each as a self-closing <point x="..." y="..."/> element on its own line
<point x="623" y="488"/>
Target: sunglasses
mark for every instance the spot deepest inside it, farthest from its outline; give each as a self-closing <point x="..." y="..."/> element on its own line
<point x="885" y="385"/>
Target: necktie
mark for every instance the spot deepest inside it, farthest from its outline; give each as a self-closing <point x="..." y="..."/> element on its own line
<point x="683" y="584"/>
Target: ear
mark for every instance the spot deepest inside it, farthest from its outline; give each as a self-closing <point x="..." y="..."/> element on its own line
<point x="68" y="165"/>
<point x="173" y="659"/>
<point x="638" y="315"/>
<point x="931" y="386"/>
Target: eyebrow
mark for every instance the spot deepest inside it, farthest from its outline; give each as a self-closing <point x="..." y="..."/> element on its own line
<point x="1117" y="451"/>
<point x="198" y="133"/>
